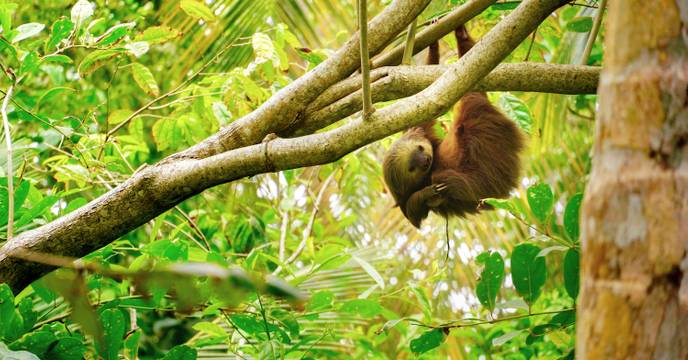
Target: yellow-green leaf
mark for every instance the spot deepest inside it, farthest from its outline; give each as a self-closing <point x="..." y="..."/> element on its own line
<point x="96" y="59"/>
<point x="197" y="9"/>
<point x="157" y="35"/>
<point x="145" y="79"/>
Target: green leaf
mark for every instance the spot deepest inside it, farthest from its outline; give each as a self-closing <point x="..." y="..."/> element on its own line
<point x="427" y="341"/>
<point x="114" y="34"/>
<point x="210" y="328"/>
<point x="7" y="313"/>
<point x="540" y="200"/>
<point x="181" y="352"/>
<point x="131" y="344"/>
<point x="157" y="35"/>
<point x="26" y="31"/>
<point x="29" y="63"/>
<point x="113" y="333"/>
<point x="564" y="318"/>
<point x="504" y="204"/>
<point x="7" y="9"/>
<point x="29" y="317"/>
<point x="145" y="79"/>
<point x="68" y="348"/>
<point x="320" y="300"/>
<point x="363" y="307"/>
<point x="528" y="271"/>
<point x="580" y="24"/>
<point x="21" y="191"/>
<point x="517" y="110"/>
<point x="572" y="217"/>
<point x="63" y="59"/>
<point x="60" y="31"/>
<point x="247" y="323"/>
<point x="572" y="272"/>
<point x="38" y="342"/>
<point x="96" y="59"/>
<point x="197" y="9"/>
<point x="490" y="280"/>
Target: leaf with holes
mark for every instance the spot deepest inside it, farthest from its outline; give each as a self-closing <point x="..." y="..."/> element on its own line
<point x="60" y="31"/>
<point x="572" y="217"/>
<point x="490" y="280"/>
<point x="540" y="200"/>
<point x="197" y="9"/>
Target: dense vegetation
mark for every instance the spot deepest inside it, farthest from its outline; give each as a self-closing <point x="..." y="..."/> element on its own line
<point x="95" y="91"/>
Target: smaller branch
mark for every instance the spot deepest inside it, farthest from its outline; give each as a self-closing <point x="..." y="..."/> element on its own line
<point x="593" y="32"/>
<point x="410" y="40"/>
<point x="365" y="57"/>
<point x="10" y="170"/>
<point x="309" y="227"/>
<point x="451" y="325"/>
<point x="530" y="47"/>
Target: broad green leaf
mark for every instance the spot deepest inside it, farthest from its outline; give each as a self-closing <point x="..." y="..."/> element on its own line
<point x="504" y="204"/>
<point x="131" y="344"/>
<point x="247" y="323"/>
<point x="60" y="31"/>
<point x="427" y="341"/>
<point x="181" y="352"/>
<point x="82" y="10"/>
<point x="363" y="307"/>
<point x="7" y="9"/>
<point x="506" y="337"/>
<point x="320" y="301"/>
<point x="62" y="59"/>
<point x="29" y="317"/>
<point x="37" y="342"/>
<point x="157" y="35"/>
<point x="25" y="31"/>
<point x="6" y="309"/>
<point x="29" y="63"/>
<point x="118" y="116"/>
<point x="540" y="200"/>
<point x="491" y="280"/>
<point x="113" y="332"/>
<point x="528" y="271"/>
<point x="197" y="9"/>
<point x="114" y="33"/>
<point x="68" y="348"/>
<point x="580" y="24"/>
<point x="564" y="318"/>
<point x="517" y="110"/>
<point x="210" y="328"/>
<point x="145" y="79"/>
<point x="572" y="272"/>
<point x="572" y="217"/>
<point x="96" y="59"/>
<point x="370" y="270"/>
<point x="21" y="191"/>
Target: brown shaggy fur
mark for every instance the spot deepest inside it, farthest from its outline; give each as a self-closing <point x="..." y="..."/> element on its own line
<point x="477" y="159"/>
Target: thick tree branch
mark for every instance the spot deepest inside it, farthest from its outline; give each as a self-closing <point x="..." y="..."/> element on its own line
<point x="436" y="31"/>
<point x="157" y="188"/>
<point x="401" y="81"/>
<point x="284" y="109"/>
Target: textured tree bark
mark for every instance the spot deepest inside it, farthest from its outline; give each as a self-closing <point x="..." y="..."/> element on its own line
<point x="634" y="291"/>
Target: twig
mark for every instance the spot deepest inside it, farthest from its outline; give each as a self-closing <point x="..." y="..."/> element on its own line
<point x="10" y="170"/>
<point x="410" y="40"/>
<point x="530" y="47"/>
<point x="309" y="226"/>
<point x="365" y="57"/>
<point x="483" y="322"/>
<point x="593" y="33"/>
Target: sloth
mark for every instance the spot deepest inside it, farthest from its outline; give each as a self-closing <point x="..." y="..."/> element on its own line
<point x="477" y="159"/>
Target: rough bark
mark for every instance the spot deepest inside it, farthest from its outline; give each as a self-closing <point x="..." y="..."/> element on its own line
<point x="159" y="187"/>
<point x="634" y="292"/>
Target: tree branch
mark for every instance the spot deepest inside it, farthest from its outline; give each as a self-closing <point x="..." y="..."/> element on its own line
<point x="154" y="189"/>
<point x="434" y="32"/>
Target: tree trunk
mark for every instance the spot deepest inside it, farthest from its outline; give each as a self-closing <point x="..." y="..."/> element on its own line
<point x="634" y="296"/>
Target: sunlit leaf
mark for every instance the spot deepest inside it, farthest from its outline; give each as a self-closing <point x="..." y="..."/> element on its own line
<point x="363" y="307"/>
<point x="26" y="31"/>
<point x="370" y="270"/>
<point x="157" y="35"/>
<point x="114" y="33"/>
<point x="197" y="9"/>
<point x="96" y="59"/>
<point x="82" y="10"/>
<point x="491" y="279"/>
<point x="180" y="352"/>
<point x="145" y="79"/>
<point x="506" y="337"/>
<point x="60" y="31"/>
